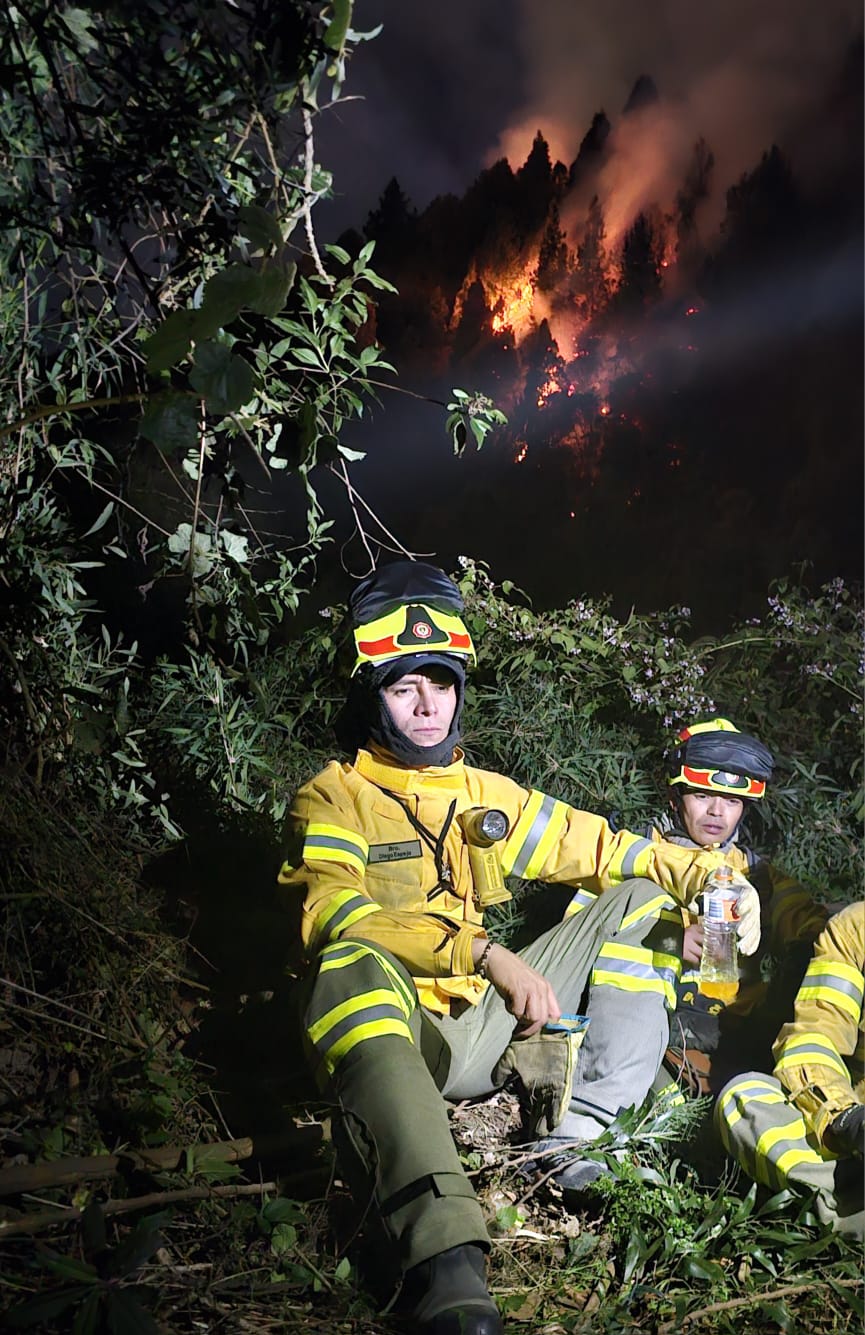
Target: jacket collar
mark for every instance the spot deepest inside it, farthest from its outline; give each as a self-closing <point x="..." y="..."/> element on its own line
<point x="384" y="772"/>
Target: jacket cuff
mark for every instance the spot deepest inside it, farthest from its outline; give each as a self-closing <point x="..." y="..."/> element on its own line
<point x="461" y="958"/>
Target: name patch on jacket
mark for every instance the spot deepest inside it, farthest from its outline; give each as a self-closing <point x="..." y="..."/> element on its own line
<point x="407" y="848"/>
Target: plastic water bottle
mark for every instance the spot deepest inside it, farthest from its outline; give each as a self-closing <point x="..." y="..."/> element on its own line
<point x="719" y="966"/>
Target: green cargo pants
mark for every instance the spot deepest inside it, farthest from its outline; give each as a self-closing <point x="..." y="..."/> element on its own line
<point x="387" y="1062"/>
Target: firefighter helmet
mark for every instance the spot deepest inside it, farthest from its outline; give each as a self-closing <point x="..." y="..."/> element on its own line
<point x="405" y="609"/>
<point x="716" y="757"/>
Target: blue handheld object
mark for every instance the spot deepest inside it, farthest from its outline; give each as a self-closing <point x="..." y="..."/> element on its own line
<point x="567" y="1024"/>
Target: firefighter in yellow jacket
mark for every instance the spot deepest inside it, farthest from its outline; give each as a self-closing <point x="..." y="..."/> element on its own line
<point x="804" y="1125"/>
<point x="715" y="774"/>
<point x="395" y="855"/>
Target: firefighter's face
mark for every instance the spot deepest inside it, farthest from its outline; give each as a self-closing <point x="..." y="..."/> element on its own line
<point x="710" y="818"/>
<point x="422" y="704"/>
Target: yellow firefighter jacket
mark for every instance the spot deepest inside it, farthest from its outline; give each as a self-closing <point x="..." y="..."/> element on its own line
<point x="364" y="871"/>
<point x="819" y="1055"/>
<point x="788" y="911"/>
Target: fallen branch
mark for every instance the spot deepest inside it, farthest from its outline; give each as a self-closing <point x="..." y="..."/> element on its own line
<point x="768" y="1296"/>
<point x="35" y="1223"/>
<point x="64" y="1172"/>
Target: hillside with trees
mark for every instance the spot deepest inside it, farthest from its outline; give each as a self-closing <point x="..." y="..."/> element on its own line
<point x="184" y="364"/>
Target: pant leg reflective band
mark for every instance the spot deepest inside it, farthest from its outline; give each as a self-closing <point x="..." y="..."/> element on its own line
<point x="335" y="843"/>
<point x="532" y="838"/>
<point x="338" y="913"/>
<point x="810" y="1050"/>
<point x="341" y="955"/>
<point x="582" y="899"/>
<point x="836" y="984"/>
<point x="661" y="907"/>
<point x="786" y="1147"/>
<point x="637" y="969"/>
<point x="357" y="1020"/>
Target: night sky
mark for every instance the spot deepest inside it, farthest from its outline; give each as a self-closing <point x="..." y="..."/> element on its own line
<point x="446" y="90"/>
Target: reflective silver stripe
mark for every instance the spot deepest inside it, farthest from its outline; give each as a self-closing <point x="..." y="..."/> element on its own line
<point x="314" y="841"/>
<point x="629" y="861"/>
<point x="534" y="835"/>
<point x="582" y="899"/>
<point x="331" y="922"/>
<point x="383" y="1011"/>
<point x="831" y="981"/>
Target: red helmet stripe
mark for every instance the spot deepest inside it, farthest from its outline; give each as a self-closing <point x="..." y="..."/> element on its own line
<point x="374" y="648"/>
<point x="460" y="641"/>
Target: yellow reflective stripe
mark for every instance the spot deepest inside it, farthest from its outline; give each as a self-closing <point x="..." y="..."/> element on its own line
<point x="334" y="843"/>
<point x="350" y="1031"/>
<point x="583" y="899"/>
<point x="340" y="912"/>
<point x="810" y="1050"/>
<point x="378" y="996"/>
<point x="360" y="1034"/>
<point x="632" y="858"/>
<point x="342" y="954"/>
<point x="528" y="846"/>
<point x="835" y="984"/>
<point x="637" y="969"/>
<point x="656" y="908"/>
<point x="746" y="1091"/>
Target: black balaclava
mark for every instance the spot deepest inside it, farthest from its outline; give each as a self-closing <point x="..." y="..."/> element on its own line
<point x="366" y="718"/>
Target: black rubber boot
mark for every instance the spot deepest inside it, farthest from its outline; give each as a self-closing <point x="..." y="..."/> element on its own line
<point x="447" y="1295"/>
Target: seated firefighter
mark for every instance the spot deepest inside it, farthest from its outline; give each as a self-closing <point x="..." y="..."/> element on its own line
<point x="409" y="1001"/>
<point x="715" y="774"/>
<point x="805" y="1125"/>
<point x="714" y="771"/>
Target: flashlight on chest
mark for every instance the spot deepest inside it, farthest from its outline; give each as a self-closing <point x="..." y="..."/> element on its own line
<point x="484" y="828"/>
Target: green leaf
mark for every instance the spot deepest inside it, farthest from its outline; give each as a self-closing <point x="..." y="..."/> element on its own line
<point x="281" y="1211"/>
<point x="283" y="1239"/>
<point x="126" y="1316"/>
<point x="70" y="1268"/>
<point x="171" y="422"/>
<point x="39" y="1311"/>
<point x="237" y="547"/>
<point x="336" y="30"/>
<point x="259" y="226"/>
<point x="700" y="1268"/>
<point x="88" y="1314"/>
<point x="223" y="379"/>
<point x="636" y="1252"/>
<point x="135" y="1250"/>
<point x="227" y="292"/>
<point x="101" y="521"/>
<point x="274" y="286"/>
<point x="171" y="342"/>
<point x="343" y="1271"/>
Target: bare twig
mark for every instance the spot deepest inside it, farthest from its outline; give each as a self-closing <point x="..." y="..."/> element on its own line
<point x="309" y="196"/>
<point x="765" y="1296"/>
<point x="51" y="409"/>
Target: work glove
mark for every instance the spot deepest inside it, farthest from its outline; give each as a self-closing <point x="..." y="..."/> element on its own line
<point x="544" y="1067"/>
<point x="848" y="1131"/>
<point x="748" y="914"/>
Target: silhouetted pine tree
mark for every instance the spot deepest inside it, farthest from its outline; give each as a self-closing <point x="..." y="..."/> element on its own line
<point x="640" y="283"/>
<point x="554" y="257"/>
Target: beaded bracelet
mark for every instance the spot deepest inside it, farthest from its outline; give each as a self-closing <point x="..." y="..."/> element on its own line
<point x="481" y="966"/>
